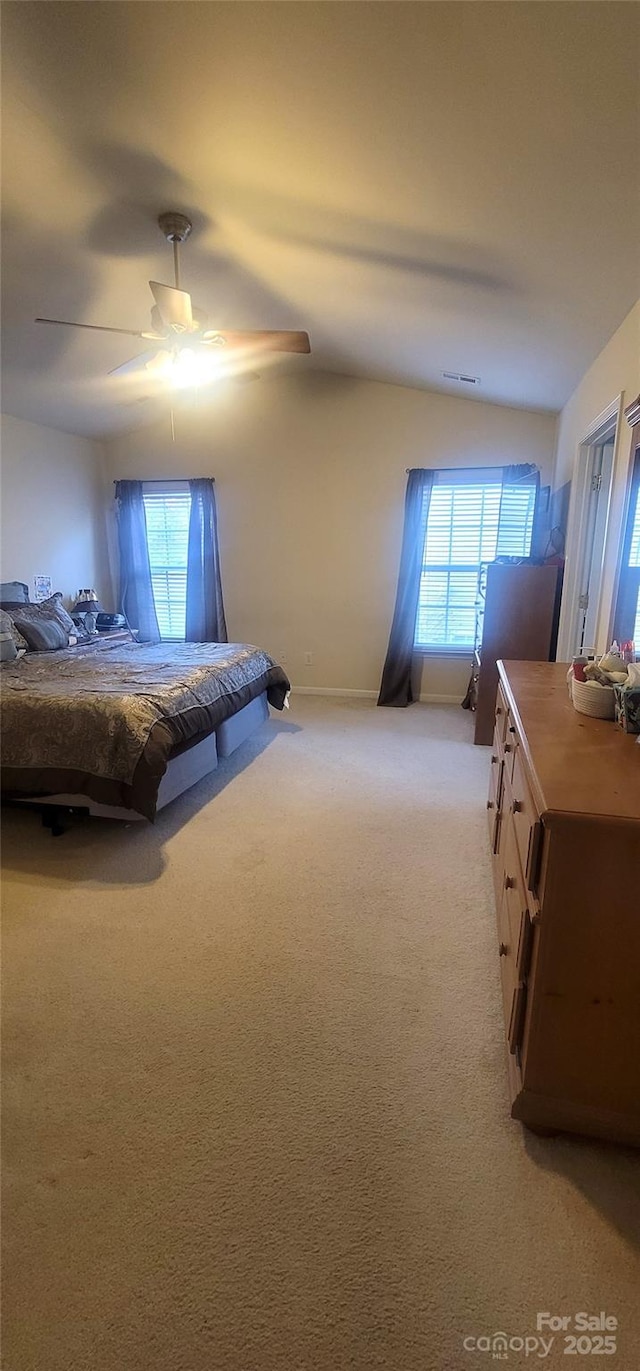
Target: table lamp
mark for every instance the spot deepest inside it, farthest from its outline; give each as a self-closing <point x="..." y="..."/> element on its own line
<point x="86" y="608"/>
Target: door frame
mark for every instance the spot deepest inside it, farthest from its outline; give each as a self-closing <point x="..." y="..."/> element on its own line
<point x="609" y="421"/>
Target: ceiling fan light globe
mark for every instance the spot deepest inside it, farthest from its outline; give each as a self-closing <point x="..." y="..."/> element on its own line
<point x="191" y="369"/>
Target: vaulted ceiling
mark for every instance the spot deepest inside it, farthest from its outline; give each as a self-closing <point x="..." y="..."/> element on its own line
<point x="424" y="187"/>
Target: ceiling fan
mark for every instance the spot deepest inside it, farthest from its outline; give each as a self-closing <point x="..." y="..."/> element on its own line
<point x="191" y="350"/>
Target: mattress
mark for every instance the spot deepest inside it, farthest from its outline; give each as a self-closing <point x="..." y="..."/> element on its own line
<point x="106" y="724"/>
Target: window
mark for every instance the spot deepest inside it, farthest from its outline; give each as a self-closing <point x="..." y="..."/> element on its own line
<point x="627" y="616"/>
<point x="471" y="519"/>
<point x="634" y="564"/>
<point x="167" y="513"/>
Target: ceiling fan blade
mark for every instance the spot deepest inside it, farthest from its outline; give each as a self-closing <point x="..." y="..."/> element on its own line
<point x="266" y="340"/>
<point x="174" y="306"/>
<point x="134" y="364"/>
<point x="157" y="327"/>
<point x="97" y="328"/>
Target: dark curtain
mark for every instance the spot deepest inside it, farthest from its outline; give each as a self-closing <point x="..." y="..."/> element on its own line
<point x="396" y="688"/>
<point x="205" y="608"/>
<point x="136" y="590"/>
<point x="523" y="474"/>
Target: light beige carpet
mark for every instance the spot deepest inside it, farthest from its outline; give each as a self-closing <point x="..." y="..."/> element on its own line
<point x="255" y="1097"/>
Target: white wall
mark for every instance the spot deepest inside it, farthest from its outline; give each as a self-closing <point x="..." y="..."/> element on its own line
<point x="310" y="480"/>
<point x="615" y="372"/>
<point x="53" y="509"/>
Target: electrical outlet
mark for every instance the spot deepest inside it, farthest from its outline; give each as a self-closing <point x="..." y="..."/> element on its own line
<point x="308" y="658"/>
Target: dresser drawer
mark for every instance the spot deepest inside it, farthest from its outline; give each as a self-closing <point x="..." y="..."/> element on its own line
<point x="515" y="893"/>
<point x="494" y="801"/>
<point x="502" y="714"/>
<point x="507" y="955"/>
<point x="497" y="857"/>
<point x="526" y="822"/>
<point x="509" y="746"/>
<point x="517" y="1014"/>
<point x="514" y="988"/>
<point x="515" y="930"/>
<point x="497" y="746"/>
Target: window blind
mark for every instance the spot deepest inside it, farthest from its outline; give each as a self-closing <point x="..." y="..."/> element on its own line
<point x="626" y="623"/>
<point x="167" y="516"/>
<point x="634" y="562"/>
<point x="468" y="523"/>
<point x="634" y="550"/>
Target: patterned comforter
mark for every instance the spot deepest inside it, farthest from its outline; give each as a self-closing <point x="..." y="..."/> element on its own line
<point x="111" y="719"/>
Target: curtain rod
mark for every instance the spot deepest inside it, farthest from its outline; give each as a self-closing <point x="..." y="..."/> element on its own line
<point x="486" y="466"/>
<point x="444" y="470"/>
<point x="164" y="480"/>
<point x="408" y="469"/>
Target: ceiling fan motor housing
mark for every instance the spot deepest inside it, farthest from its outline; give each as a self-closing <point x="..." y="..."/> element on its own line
<point x="175" y="226"/>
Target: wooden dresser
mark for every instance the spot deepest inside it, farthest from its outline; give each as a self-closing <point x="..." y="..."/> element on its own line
<point x="521" y="606"/>
<point x="564" y="825"/>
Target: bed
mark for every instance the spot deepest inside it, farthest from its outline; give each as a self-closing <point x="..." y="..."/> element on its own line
<point x="122" y="729"/>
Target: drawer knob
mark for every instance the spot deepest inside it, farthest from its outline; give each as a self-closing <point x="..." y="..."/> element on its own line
<point x="507" y="747"/>
<point x="517" y="807"/>
<point x="511" y="728"/>
<point x="489" y="804"/>
<point x="493" y="759"/>
<point x="503" y="949"/>
<point x="509" y="883"/>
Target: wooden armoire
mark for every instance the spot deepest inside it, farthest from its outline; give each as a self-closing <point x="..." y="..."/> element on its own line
<point x="519" y="623"/>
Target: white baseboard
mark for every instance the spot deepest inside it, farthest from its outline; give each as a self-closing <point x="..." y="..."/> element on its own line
<point x="369" y="694"/>
<point x="333" y="690"/>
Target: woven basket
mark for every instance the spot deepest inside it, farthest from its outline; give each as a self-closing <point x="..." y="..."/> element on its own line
<point x="595" y="700"/>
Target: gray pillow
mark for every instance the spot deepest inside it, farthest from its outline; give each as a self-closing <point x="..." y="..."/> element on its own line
<point x="44" y="633"/>
<point x="55" y="606"/>
<point x="7" y="626"/>
<point x="14" y="592"/>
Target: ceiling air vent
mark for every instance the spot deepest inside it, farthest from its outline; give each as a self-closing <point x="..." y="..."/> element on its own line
<point x="460" y="376"/>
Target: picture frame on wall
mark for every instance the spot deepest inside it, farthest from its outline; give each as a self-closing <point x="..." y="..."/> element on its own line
<point x="42" y="587"/>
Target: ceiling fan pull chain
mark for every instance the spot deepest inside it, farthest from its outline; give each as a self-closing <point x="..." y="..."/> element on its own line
<point x="176" y="261"/>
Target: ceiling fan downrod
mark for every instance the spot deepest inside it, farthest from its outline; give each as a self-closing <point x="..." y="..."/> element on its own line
<point x="176" y="228"/>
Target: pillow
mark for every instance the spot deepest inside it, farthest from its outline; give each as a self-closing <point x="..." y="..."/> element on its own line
<point x="31" y="610"/>
<point x="7" y="626"/>
<point x="43" y="632"/>
<point x="55" y="605"/>
<point x="14" y="592"/>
